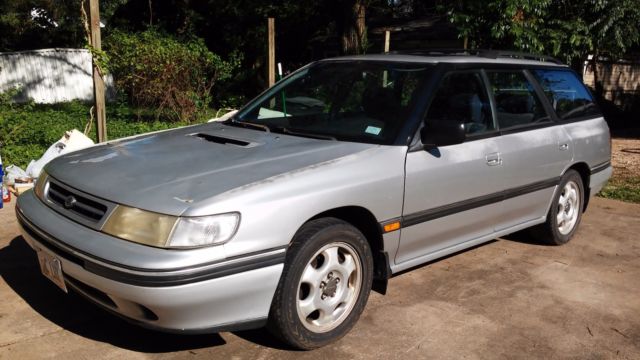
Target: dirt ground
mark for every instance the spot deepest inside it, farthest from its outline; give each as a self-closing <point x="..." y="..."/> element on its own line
<point x="625" y="157"/>
<point x="510" y="298"/>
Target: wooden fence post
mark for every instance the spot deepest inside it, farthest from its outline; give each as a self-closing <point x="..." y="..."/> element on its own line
<point x="271" y="62"/>
<point x="98" y="81"/>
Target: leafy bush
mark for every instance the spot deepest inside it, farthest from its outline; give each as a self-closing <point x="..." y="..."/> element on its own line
<point x="159" y="71"/>
<point x="7" y="97"/>
<point x="27" y="130"/>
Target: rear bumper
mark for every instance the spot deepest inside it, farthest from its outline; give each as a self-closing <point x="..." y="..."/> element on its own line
<point x="221" y="296"/>
<point x="599" y="176"/>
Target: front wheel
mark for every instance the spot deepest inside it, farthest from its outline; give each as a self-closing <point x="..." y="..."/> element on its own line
<point x="566" y="211"/>
<point x="324" y="286"/>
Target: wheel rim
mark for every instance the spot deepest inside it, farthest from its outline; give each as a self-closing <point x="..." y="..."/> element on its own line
<point x="568" y="208"/>
<point x="329" y="287"/>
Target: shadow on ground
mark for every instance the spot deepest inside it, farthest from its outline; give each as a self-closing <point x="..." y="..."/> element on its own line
<point x="19" y="269"/>
<point x="525" y="237"/>
<point x="264" y="338"/>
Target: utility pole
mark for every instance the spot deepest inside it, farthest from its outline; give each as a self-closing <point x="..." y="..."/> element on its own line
<point x="98" y="80"/>
<point x="271" y="61"/>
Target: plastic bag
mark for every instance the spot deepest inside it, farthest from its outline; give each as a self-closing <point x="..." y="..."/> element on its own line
<point x="13" y="173"/>
<point x="71" y="141"/>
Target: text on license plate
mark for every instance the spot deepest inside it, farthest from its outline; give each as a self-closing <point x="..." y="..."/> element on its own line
<point x="51" y="267"/>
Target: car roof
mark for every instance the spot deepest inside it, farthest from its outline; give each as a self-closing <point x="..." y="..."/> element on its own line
<point x="457" y="59"/>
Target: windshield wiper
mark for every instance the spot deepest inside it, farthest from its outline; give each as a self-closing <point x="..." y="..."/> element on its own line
<point x="309" y="135"/>
<point x="250" y="124"/>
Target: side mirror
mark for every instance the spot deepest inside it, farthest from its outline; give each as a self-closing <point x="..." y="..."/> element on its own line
<point x="442" y="133"/>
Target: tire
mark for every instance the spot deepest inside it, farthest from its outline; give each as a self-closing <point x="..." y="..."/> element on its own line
<point x="565" y="213"/>
<point x="324" y="286"/>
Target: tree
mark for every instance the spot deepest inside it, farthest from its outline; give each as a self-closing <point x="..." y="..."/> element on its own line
<point x="567" y="29"/>
<point x="351" y="26"/>
<point x="37" y="24"/>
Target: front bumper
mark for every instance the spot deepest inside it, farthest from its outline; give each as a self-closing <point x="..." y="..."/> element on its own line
<point x="216" y="296"/>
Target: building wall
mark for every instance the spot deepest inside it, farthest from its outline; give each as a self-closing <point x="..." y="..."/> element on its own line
<point x="619" y="82"/>
<point x="50" y="75"/>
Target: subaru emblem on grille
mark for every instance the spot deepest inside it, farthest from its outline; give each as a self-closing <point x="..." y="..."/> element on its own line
<point x="69" y="201"/>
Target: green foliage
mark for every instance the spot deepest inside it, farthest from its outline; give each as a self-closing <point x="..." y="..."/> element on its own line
<point x="615" y="25"/>
<point x="100" y="57"/>
<point x="622" y="188"/>
<point x="55" y="24"/>
<point x="6" y="98"/>
<point x="172" y="75"/>
<point x="27" y="130"/>
<point x="565" y="28"/>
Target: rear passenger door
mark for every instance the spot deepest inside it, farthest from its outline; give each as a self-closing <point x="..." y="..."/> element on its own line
<point x="578" y="113"/>
<point x="449" y="191"/>
<point x="534" y="149"/>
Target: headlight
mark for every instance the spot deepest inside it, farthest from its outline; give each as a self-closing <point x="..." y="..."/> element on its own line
<point x="140" y="226"/>
<point x="168" y="231"/>
<point x="40" y="184"/>
<point x="204" y="230"/>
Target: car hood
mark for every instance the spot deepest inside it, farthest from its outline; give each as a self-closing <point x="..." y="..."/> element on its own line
<point x="169" y="172"/>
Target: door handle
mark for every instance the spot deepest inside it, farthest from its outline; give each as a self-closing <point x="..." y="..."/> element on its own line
<point x="493" y="159"/>
<point x="564" y="147"/>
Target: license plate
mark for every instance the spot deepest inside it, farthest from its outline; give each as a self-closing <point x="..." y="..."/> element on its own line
<point x="51" y="267"/>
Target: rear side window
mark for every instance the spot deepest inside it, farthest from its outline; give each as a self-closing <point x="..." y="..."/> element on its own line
<point x="462" y="96"/>
<point x="517" y="103"/>
<point x="567" y="94"/>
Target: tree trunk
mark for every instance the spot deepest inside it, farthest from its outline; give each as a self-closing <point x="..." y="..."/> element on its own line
<point x="596" y="82"/>
<point x="353" y="34"/>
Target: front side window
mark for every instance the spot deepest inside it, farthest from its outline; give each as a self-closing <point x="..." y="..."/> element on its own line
<point x="517" y="104"/>
<point x="462" y="97"/>
<point x="568" y="96"/>
<point x="347" y="100"/>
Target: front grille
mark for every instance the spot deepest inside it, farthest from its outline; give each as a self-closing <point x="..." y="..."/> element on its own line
<point x="44" y="242"/>
<point x="76" y="203"/>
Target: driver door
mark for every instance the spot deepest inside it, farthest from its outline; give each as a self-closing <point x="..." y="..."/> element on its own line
<point x="452" y="192"/>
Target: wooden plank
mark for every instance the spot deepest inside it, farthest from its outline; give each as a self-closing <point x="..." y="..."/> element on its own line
<point x="98" y="81"/>
<point x="271" y="63"/>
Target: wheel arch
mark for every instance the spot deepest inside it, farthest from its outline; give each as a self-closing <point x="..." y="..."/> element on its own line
<point x="585" y="173"/>
<point x="364" y="220"/>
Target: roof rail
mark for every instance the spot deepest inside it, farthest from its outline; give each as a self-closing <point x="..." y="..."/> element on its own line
<point x="485" y="53"/>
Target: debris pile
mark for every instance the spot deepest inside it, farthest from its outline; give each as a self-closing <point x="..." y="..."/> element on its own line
<point x="16" y="180"/>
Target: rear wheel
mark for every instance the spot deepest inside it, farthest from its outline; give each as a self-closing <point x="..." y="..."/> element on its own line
<point x="324" y="286"/>
<point x="566" y="211"/>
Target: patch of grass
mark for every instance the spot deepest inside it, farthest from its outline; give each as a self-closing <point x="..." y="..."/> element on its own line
<point x="625" y="188"/>
<point x="27" y="130"/>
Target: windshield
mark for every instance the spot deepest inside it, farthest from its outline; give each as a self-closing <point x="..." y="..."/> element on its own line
<point x="346" y="100"/>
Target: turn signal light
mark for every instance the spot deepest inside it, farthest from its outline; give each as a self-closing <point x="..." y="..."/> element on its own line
<point x="392" y="226"/>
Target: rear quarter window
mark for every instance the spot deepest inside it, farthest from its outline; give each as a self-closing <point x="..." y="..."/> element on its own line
<point x="517" y="103"/>
<point x="566" y="93"/>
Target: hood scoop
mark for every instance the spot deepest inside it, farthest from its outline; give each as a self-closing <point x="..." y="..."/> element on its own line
<point x="223" y="140"/>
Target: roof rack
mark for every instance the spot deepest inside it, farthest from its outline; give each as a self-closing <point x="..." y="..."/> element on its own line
<point x="485" y="53"/>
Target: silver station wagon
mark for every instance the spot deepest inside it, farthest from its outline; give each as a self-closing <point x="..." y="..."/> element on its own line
<point x="345" y="172"/>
